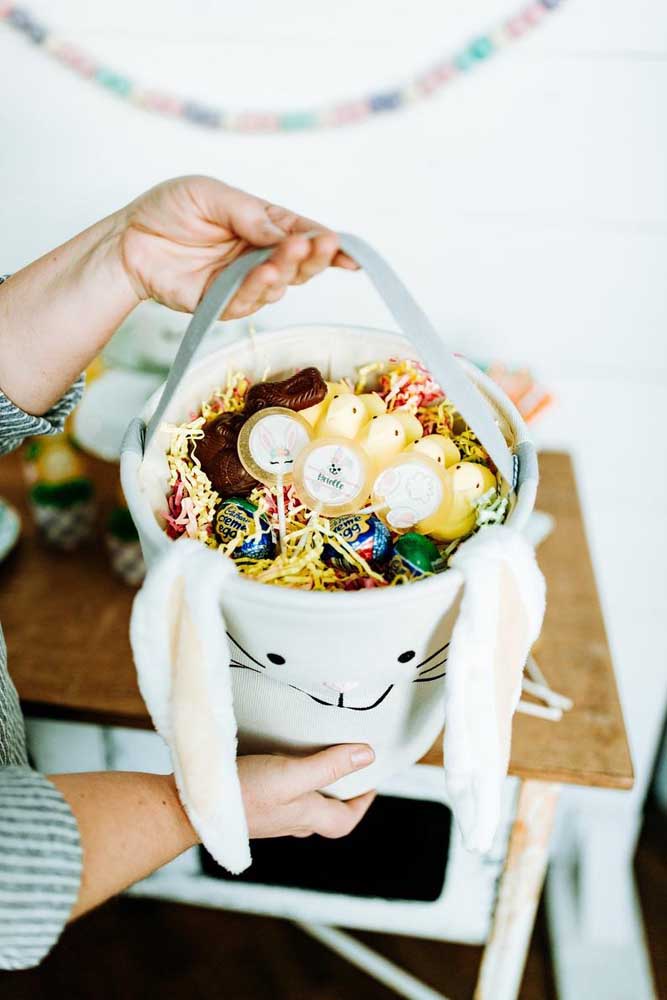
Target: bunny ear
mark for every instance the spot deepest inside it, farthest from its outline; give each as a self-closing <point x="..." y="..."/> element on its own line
<point x="500" y="618"/>
<point x="265" y="438"/>
<point x="290" y="437"/>
<point x="182" y="657"/>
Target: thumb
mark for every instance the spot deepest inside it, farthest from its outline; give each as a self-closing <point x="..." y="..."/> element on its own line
<point x="308" y="774"/>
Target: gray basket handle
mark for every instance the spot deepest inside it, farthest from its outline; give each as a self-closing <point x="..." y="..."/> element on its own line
<point x="410" y="319"/>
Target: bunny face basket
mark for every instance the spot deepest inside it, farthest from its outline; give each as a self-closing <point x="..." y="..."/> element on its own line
<point x="221" y="657"/>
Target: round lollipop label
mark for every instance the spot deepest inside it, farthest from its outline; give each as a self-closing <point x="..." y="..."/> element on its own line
<point x="332" y="476"/>
<point x="270" y="442"/>
<point x="410" y="490"/>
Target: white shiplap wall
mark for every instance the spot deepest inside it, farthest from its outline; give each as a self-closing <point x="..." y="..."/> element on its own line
<point x="526" y="206"/>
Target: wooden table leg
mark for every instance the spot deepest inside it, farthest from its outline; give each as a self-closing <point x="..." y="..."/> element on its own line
<point x="519" y="892"/>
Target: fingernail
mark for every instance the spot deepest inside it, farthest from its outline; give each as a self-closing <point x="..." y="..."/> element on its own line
<point x="362" y="757"/>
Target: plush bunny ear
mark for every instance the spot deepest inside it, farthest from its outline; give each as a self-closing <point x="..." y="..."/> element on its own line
<point x="182" y="657"/>
<point x="500" y="617"/>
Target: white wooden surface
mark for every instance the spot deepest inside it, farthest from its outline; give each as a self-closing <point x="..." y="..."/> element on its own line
<point x="526" y="206"/>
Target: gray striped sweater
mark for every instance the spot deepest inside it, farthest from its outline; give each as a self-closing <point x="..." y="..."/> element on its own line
<point x="40" y="852"/>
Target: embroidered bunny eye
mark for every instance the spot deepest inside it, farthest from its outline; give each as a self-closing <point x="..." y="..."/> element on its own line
<point x="406" y="656"/>
<point x="278" y="659"/>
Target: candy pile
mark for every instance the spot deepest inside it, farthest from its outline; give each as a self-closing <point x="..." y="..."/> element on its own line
<point x="331" y="485"/>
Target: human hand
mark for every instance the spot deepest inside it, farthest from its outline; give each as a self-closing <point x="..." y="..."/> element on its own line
<point x="281" y="799"/>
<point x="177" y="237"/>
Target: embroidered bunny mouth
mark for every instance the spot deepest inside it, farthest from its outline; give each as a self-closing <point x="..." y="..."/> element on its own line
<point x="320" y="701"/>
<point x="435" y="670"/>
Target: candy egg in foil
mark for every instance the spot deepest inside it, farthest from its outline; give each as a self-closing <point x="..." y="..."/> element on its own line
<point x="414" y="556"/>
<point x="236" y="519"/>
<point x="365" y="534"/>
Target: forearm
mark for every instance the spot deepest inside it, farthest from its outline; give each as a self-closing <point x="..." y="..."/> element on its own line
<point x="129" y="825"/>
<point x="57" y="314"/>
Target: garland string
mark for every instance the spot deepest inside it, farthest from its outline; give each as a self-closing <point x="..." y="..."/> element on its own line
<point x="348" y="112"/>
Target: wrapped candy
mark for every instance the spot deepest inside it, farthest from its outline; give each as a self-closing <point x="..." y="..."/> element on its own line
<point x="414" y="556"/>
<point x="365" y="534"/>
<point x="242" y="531"/>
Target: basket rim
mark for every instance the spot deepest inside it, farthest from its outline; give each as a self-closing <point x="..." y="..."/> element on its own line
<point x="346" y="601"/>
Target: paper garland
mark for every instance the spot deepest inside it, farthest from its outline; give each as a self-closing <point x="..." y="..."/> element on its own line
<point x="347" y="112"/>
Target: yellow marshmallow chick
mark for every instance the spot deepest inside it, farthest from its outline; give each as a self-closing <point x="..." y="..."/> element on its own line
<point x="440" y="448"/>
<point x="347" y="414"/>
<point x="383" y="438"/>
<point x="374" y="404"/>
<point x="413" y="429"/>
<point x="313" y="413"/>
<point x="469" y="481"/>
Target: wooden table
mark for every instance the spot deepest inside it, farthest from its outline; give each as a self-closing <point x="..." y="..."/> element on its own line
<point x="65" y="619"/>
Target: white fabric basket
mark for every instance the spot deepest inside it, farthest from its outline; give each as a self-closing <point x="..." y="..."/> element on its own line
<point x="347" y="674"/>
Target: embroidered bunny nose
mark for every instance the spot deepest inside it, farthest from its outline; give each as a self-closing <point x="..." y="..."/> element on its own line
<point x="342" y="687"/>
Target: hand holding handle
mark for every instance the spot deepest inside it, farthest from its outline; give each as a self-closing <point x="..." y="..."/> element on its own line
<point x="408" y="315"/>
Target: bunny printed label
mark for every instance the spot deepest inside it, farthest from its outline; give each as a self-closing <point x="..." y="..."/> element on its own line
<point x="270" y="442"/>
<point x="411" y="491"/>
<point x="333" y="475"/>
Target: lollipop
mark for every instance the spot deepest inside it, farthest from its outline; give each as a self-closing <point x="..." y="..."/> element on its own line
<point x="412" y="492"/>
<point x="332" y="476"/>
<point x="268" y="446"/>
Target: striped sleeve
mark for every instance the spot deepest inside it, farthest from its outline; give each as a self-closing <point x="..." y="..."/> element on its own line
<point x="40" y="866"/>
<point x="16" y="424"/>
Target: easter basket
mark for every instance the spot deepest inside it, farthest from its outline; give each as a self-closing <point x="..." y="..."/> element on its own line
<point x="229" y="665"/>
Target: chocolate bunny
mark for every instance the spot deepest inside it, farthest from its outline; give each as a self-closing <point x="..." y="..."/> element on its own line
<point x="217" y="452"/>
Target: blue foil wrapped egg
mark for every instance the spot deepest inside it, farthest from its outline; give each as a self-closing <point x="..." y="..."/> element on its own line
<point x="365" y="534"/>
<point x="235" y="518"/>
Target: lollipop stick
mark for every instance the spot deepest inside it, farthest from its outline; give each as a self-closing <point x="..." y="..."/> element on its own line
<point x="282" y="526"/>
<point x="373" y="509"/>
<point x="305" y="533"/>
